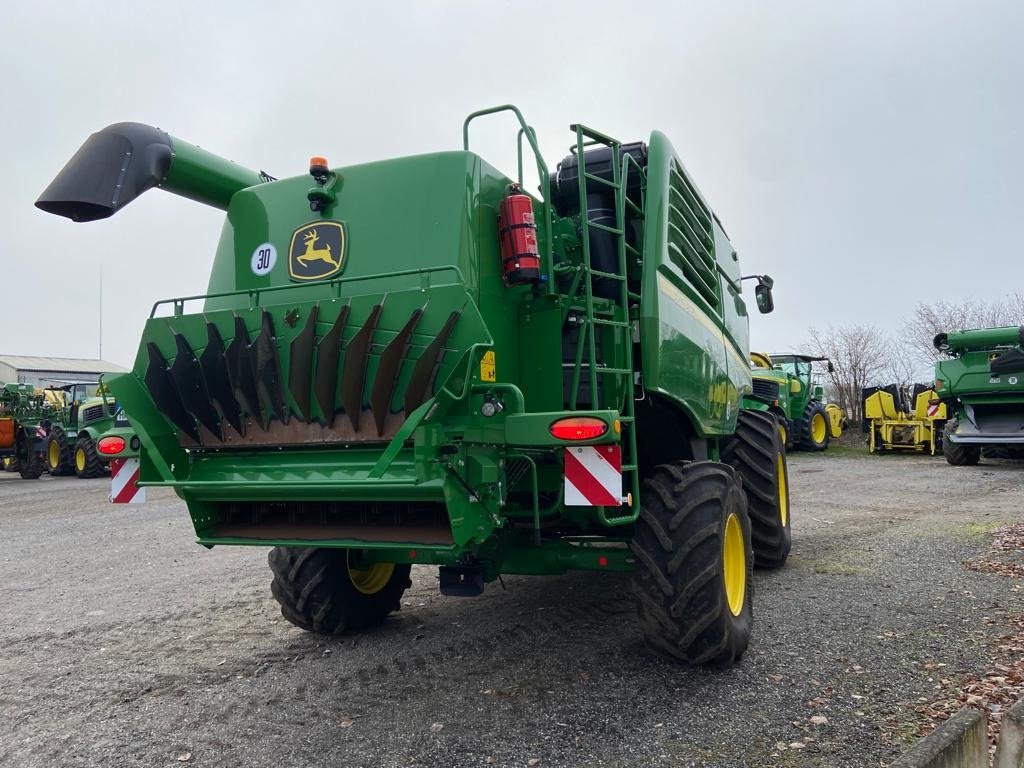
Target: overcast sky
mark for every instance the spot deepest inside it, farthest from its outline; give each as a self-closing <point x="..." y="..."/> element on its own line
<point x="866" y="155"/>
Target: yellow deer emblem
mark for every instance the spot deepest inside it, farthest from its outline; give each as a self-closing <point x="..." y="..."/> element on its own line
<point x="315" y="254"/>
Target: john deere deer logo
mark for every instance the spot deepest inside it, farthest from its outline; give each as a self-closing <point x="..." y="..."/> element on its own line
<point x="317" y="250"/>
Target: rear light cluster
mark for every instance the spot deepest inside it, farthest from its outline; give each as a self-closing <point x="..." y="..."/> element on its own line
<point x="578" y="428"/>
<point x="110" y="445"/>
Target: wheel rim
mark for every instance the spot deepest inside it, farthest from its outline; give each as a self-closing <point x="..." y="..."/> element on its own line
<point x="373" y="579"/>
<point x="783" y="434"/>
<point x="80" y="460"/>
<point x="818" y="428"/>
<point x="53" y="454"/>
<point x="734" y="564"/>
<point x="780" y="479"/>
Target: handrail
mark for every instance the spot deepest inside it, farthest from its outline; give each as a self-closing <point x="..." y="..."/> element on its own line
<point x="254" y="293"/>
<point x="542" y="171"/>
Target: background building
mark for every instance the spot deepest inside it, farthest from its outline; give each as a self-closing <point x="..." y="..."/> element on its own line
<point x="52" y="370"/>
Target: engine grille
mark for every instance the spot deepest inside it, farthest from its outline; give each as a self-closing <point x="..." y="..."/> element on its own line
<point x="766" y="390"/>
<point x="92" y="413"/>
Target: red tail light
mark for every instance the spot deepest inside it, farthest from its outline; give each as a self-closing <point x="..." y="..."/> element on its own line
<point x="578" y="428"/>
<point x="110" y="445"/>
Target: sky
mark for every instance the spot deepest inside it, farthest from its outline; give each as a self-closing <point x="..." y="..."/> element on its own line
<point x="866" y="155"/>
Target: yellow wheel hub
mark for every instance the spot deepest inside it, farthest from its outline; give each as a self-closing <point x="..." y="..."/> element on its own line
<point x="372" y="579"/>
<point x="818" y="428"/>
<point x="734" y="564"/>
<point x="780" y="479"/>
<point x="53" y="454"/>
<point x="80" y="460"/>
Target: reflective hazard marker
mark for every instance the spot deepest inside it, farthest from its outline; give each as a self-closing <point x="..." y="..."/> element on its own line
<point x="933" y="408"/>
<point x="124" y="482"/>
<point x="593" y="476"/>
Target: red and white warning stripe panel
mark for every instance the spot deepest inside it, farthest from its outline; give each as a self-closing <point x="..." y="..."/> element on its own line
<point x="593" y="476"/>
<point x="933" y="408"/>
<point x="124" y="482"/>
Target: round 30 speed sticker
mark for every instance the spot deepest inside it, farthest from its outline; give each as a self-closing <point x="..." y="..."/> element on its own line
<point x="263" y="259"/>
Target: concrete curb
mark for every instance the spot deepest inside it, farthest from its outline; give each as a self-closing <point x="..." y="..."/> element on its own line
<point x="1010" y="752"/>
<point x="960" y="742"/>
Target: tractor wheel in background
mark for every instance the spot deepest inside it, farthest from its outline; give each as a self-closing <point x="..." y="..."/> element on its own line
<point x="814" y="430"/>
<point x="785" y="430"/>
<point x="12" y="464"/>
<point x="32" y="467"/>
<point x="87" y="460"/>
<point x="321" y="590"/>
<point x="694" y="563"/>
<point x="58" y="453"/>
<point x="755" y="451"/>
<point x="957" y="454"/>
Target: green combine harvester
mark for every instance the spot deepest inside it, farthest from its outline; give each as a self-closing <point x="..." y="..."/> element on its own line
<point x="982" y="386"/>
<point x="785" y="386"/>
<point x="414" y="361"/>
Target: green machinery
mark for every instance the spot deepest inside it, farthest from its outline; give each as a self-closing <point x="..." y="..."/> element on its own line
<point x="982" y="384"/>
<point x="84" y="413"/>
<point x="412" y="361"/>
<point x="785" y="385"/>
<point x="25" y="417"/>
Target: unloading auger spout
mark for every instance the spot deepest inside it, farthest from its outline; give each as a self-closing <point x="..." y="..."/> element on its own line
<point x="118" y="163"/>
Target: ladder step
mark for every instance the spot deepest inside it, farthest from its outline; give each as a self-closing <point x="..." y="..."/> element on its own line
<point x="600" y="180"/>
<point x="603" y="228"/>
<point x="628" y="467"/>
<point x="612" y="323"/>
<point x="613" y="370"/>
<point x="608" y="275"/>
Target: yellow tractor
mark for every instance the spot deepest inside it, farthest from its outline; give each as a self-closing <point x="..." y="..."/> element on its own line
<point x="892" y="425"/>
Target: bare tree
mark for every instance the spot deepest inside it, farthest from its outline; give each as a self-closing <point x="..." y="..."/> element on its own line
<point x="860" y="355"/>
<point x="927" y="320"/>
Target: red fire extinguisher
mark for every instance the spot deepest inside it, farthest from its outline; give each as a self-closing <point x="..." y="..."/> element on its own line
<point x="517" y="231"/>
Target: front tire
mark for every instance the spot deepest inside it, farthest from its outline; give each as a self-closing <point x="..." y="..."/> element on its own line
<point x="58" y="453"/>
<point x="322" y="590"/>
<point x="957" y="454"/>
<point x="87" y="460"/>
<point x="814" y="431"/>
<point x="694" y="563"/>
<point x="756" y="453"/>
<point x="31" y="467"/>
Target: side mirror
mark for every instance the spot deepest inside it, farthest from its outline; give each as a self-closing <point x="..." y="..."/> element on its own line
<point x="831" y="368"/>
<point x="763" y="296"/>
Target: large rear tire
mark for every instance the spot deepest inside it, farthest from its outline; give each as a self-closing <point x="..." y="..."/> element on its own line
<point x="87" y="460"/>
<point x="58" y="453"/>
<point x="814" y="431"/>
<point x="694" y="563"/>
<point x="322" y="590"/>
<point x="755" y="451"/>
<point x="958" y="454"/>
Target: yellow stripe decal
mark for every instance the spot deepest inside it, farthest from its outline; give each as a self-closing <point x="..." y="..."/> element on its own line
<point x="684" y="302"/>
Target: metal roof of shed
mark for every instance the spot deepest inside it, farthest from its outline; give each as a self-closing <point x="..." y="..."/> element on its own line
<point x="60" y="364"/>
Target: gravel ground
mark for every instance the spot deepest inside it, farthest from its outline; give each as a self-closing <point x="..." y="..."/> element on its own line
<point x="123" y="643"/>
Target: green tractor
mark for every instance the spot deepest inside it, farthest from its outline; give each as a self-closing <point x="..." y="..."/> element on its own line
<point x="25" y="417"/>
<point x="415" y="362"/>
<point x="982" y="387"/>
<point x="788" y="386"/>
<point x="84" y="412"/>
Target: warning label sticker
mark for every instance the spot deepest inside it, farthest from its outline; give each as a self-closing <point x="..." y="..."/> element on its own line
<point x="487" y="368"/>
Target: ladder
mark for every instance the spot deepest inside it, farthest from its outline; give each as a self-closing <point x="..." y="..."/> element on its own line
<point x="617" y="314"/>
